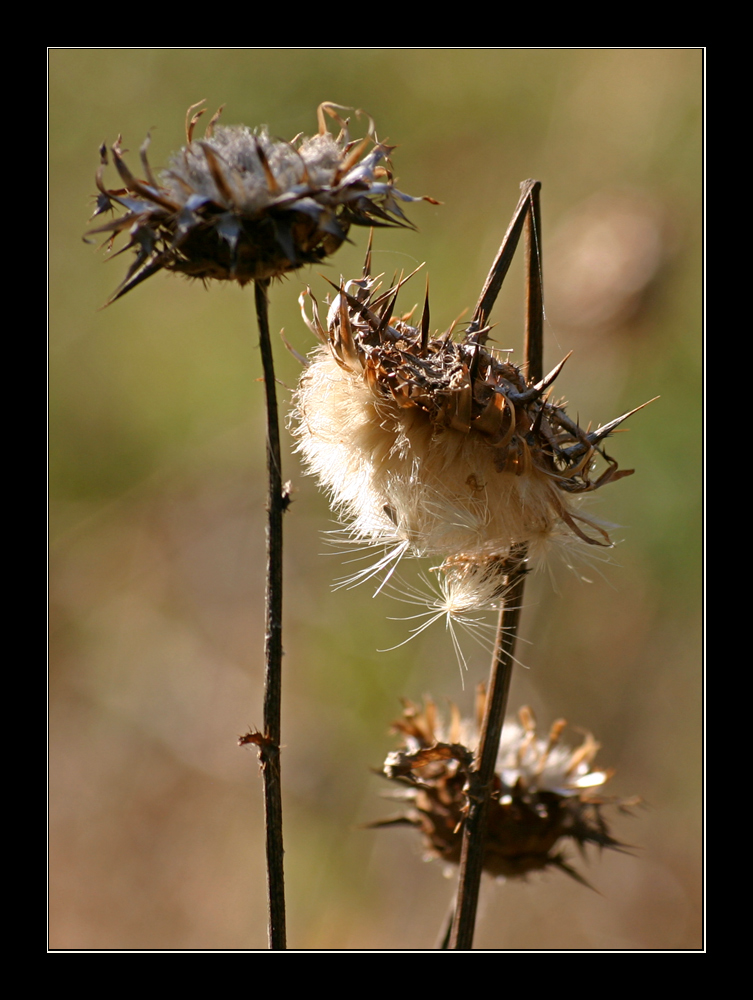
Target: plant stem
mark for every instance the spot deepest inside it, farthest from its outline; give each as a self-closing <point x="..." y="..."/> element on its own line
<point x="474" y="828"/>
<point x="269" y="746"/>
<point x="534" y="342"/>
<point x="529" y="192"/>
<point x="482" y="777"/>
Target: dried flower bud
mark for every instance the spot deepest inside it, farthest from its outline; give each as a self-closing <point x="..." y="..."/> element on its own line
<point x="544" y="792"/>
<point x="443" y="448"/>
<point x="241" y="206"/>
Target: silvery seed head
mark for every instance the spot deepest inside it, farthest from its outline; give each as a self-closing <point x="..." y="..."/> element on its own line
<point x="239" y="205"/>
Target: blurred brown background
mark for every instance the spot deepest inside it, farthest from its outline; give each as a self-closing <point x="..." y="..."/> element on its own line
<point x="158" y="492"/>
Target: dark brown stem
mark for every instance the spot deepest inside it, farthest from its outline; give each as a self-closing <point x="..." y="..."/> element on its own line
<point x="534" y="345"/>
<point x="482" y="777"/>
<point x="505" y="254"/>
<point x="474" y="829"/>
<point x="269" y="747"/>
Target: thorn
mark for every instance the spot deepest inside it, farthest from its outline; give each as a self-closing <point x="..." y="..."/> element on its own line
<point x="209" y="131"/>
<point x="272" y="186"/>
<point x="367" y="261"/>
<point x="191" y="122"/>
<point x="598" y="435"/>
<point x="425" y="322"/>
<point x="548" y="379"/>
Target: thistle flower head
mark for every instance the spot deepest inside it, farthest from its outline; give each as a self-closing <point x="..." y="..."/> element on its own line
<point x="545" y="793"/>
<point x="441" y="446"/>
<point x="241" y="206"/>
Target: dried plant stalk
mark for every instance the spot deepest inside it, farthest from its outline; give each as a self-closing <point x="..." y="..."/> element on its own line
<point x="268" y="742"/>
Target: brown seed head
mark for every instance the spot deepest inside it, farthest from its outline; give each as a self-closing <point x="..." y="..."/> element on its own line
<point x="238" y="205"/>
<point x="441" y="445"/>
<point x="544" y="792"/>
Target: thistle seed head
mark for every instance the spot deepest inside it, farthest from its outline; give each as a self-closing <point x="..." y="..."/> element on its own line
<point x="241" y="206"/>
<point x="545" y="793"/>
<point x="441" y="446"/>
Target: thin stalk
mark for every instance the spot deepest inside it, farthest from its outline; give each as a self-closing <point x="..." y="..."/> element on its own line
<point x="534" y="343"/>
<point x="482" y="777"/>
<point x="269" y="745"/>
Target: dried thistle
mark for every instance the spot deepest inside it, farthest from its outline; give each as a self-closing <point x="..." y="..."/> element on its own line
<point x="241" y="206"/>
<point x="544" y="793"/>
<point x="438" y="447"/>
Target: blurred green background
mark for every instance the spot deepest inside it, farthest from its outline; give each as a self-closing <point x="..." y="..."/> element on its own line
<point x="158" y="494"/>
